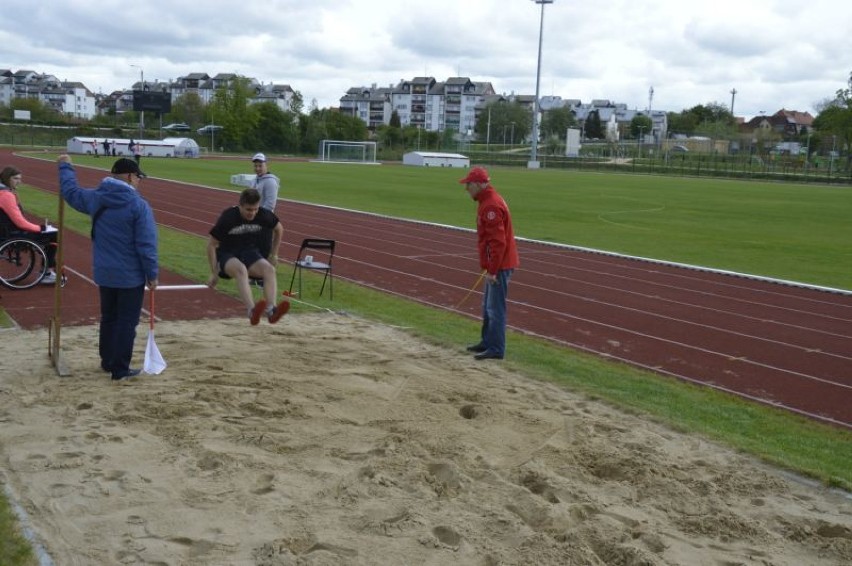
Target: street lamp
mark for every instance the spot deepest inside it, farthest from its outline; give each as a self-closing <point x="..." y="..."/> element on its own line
<point x="141" y="112"/>
<point x="512" y="139"/>
<point x="533" y="163"/>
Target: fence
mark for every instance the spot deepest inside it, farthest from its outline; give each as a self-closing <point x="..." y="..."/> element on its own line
<point x="773" y="168"/>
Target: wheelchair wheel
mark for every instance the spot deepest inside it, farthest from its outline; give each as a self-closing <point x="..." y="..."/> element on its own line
<point x="23" y="264"/>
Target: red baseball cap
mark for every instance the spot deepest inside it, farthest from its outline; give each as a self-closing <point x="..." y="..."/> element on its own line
<point x="475" y="175"/>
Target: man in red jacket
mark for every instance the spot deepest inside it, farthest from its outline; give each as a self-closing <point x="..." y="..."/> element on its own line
<point x="498" y="257"/>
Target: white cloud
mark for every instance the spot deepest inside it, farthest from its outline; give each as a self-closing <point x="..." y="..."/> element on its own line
<point x="775" y="53"/>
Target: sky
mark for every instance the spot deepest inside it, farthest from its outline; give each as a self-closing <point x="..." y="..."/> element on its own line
<point x="775" y="53"/>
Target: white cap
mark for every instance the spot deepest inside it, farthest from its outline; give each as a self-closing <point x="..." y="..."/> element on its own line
<point x="259" y="157"/>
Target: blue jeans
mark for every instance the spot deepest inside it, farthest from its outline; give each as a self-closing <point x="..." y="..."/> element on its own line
<point x="494" y="313"/>
<point x="120" y="310"/>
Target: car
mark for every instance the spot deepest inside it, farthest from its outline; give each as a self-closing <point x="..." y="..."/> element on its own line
<point x="209" y="129"/>
<point x="177" y="128"/>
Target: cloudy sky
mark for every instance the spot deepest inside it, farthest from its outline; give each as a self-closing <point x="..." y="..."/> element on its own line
<point x="775" y="53"/>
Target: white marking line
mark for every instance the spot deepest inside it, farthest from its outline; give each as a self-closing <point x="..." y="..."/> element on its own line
<point x="602" y="218"/>
<point x="694" y="324"/>
<point x="687" y="346"/>
<point x="627" y="291"/>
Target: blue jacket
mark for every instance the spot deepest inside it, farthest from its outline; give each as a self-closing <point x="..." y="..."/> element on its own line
<point x="125" y="242"/>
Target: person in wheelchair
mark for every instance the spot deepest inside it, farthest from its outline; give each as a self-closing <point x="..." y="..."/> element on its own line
<point x="13" y="223"/>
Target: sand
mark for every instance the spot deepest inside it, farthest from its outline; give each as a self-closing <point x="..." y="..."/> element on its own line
<point x="330" y="440"/>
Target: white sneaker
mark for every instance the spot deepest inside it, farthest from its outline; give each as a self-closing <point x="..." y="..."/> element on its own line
<point x="49" y="278"/>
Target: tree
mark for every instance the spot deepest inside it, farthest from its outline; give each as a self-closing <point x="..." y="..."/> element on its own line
<point x="593" y="127"/>
<point x="297" y="104"/>
<point x="509" y="120"/>
<point x="682" y="123"/>
<point x="327" y="124"/>
<point x="39" y="111"/>
<point x="835" y="121"/>
<point x="188" y="109"/>
<point x="640" y="126"/>
<point x="409" y="136"/>
<point x="556" y="121"/>
<point x="389" y="136"/>
<point x="276" y="129"/>
<point x="713" y="120"/>
<point x="230" y="108"/>
<point x="448" y="138"/>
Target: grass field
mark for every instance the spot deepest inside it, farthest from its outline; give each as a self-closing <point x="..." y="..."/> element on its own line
<point x="787" y="231"/>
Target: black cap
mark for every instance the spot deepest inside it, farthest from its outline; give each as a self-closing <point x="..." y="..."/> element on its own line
<point x="124" y="165"/>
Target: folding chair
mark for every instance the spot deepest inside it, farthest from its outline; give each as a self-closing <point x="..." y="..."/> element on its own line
<point x="305" y="261"/>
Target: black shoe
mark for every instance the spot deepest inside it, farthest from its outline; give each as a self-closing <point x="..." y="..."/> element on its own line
<point x="130" y="373"/>
<point x="476" y="348"/>
<point x="488" y="355"/>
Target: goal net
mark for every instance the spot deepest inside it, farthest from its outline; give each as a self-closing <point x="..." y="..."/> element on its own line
<point x="347" y="151"/>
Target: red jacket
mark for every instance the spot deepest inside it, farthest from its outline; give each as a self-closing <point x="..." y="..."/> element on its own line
<point x="496" y="238"/>
<point x="11" y="208"/>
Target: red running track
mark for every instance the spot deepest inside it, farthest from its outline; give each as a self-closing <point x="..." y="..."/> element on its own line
<point x="778" y="344"/>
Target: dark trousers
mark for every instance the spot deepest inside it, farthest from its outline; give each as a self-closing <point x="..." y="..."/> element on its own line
<point x="120" y="310"/>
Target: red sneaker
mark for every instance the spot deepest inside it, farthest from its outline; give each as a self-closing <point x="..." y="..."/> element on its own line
<point x="258" y="309"/>
<point x="279" y="311"/>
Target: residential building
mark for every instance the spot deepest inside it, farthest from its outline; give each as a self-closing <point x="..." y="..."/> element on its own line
<point x="371" y="104"/>
<point x="280" y="95"/>
<point x="202" y="85"/>
<point x="66" y="97"/>
<point x="617" y="118"/>
<point x="788" y="124"/>
<point x="422" y="102"/>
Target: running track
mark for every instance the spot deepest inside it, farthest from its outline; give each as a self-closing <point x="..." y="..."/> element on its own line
<point x="778" y="344"/>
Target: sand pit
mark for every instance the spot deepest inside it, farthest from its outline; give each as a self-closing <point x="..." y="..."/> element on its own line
<point x="330" y="440"/>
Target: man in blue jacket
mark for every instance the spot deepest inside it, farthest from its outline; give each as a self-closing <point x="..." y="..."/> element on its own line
<point x="124" y="250"/>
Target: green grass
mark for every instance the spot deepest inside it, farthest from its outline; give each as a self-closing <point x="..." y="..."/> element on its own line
<point x="777" y="437"/>
<point x="14" y="548"/>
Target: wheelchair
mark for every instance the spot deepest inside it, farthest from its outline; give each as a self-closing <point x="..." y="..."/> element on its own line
<point x="23" y="262"/>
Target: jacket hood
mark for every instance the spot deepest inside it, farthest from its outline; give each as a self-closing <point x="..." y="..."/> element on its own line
<point x="116" y="194"/>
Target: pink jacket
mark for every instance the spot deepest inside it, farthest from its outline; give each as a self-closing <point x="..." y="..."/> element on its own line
<point x="12" y="208"/>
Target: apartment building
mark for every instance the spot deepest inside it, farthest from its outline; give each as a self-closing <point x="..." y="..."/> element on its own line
<point x="422" y="102"/>
<point x="615" y="116"/>
<point x="205" y="87"/>
<point x="66" y="97"/>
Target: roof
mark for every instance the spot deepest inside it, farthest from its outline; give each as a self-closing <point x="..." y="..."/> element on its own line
<point x="438" y="154"/>
<point x="796" y="117"/>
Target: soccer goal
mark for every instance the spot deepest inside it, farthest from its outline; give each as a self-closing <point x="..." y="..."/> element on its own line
<point x="347" y="151"/>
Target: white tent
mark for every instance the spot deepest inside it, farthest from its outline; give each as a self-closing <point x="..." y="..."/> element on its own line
<point x="120" y="147"/>
<point x="433" y="159"/>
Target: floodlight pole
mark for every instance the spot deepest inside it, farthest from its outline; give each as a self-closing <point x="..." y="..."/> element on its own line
<point x="533" y="162"/>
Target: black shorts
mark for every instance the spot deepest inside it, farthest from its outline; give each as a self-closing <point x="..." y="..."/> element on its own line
<point x="247" y="257"/>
